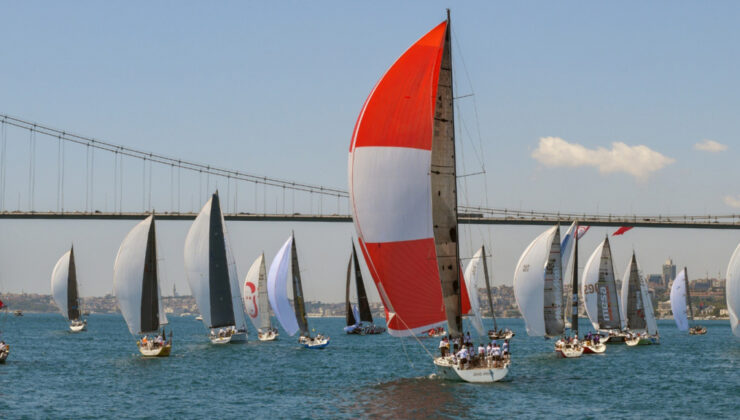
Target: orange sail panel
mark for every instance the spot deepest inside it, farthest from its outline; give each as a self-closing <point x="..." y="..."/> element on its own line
<point x="390" y="188"/>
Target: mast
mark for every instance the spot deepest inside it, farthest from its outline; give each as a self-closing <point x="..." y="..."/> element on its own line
<point x="688" y="294"/>
<point x="444" y="191"/>
<point x="149" y="287"/>
<point x="488" y="288"/>
<point x="348" y="306"/>
<point x="73" y="299"/>
<point x="298" y="303"/>
<point x="574" y="291"/>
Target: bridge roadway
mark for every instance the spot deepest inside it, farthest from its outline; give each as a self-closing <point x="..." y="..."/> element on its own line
<point x="497" y="217"/>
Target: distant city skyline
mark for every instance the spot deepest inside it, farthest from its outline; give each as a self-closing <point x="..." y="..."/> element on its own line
<point x="575" y="107"/>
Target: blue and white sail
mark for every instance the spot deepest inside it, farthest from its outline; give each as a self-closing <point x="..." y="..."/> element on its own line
<point x="732" y="291"/>
<point x="679" y="300"/>
<point x="277" y="288"/>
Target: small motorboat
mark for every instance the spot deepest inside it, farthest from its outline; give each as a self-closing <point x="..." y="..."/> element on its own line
<point x="434" y="333"/>
<point x="221" y="337"/>
<point x="698" y="330"/>
<point x="318" y="342"/>
<point x="268" y="335"/>
<point x="504" y="334"/>
<point x="199" y="318"/>
<point x="18" y="312"/>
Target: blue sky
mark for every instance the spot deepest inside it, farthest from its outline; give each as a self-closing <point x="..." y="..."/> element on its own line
<point x="275" y="89"/>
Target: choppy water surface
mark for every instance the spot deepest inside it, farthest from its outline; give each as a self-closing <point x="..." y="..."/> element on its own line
<point x="52" y="373"/>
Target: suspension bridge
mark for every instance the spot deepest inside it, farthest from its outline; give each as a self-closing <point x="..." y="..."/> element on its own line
<point x="126" y="175"/>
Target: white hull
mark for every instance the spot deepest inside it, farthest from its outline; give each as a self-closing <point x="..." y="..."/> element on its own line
<point x="78" y="327"/>
<point x="448" y="370"/>
<point x="162" y="351"/>
<point x="268" y="336"/>
<point x="569" y="351"/>
<point x="590" y="348"/>
<point x="220" y="340"/>
<point x="632" y="341"/>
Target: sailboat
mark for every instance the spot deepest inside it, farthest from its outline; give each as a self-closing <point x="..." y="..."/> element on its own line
<point x="538" y="290"/>
<point x="599" y="290"/>
<point x="212" y="277"/>
<point x="359" y="317"/>
<point x="637" y="307"/>
<point x="136" y="286"/>
<point x="64" y="291"/>
<point x="283" y="267"/>
<point x="4" y="348"/>
<point x="256" y="303"/>
<point x="680" y="301"/>
<point x="732" y="291"/>
<point x="471" y="282"/>
<point x="403" y="189"/>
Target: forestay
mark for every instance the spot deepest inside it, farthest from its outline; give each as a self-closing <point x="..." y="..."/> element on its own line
<point x="678" y="301"/>
<point x="277" y="288"/>
<point x="732" y="291"/>
<point x="136" y="281"/>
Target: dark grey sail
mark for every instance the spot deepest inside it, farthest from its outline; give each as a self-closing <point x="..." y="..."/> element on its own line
<point x="688" y="295"/>
<point x="150" y="286"/>
<point x="298" y="303"/>
<point x="444" y="192"/>
<point x="73" y="298"/>
<point x="553" y="290"/>
<point x="348" y="306"/>
<point x="635" y="306"/>
<point x="488" y="287"/>
<point x="362" y="303"/>
<point x="574" y="288"/>
<point x="222" y="310"/>
<point x="607" y="304"/>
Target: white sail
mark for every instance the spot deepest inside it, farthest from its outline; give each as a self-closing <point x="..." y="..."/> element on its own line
<point x="732" y="291"/>
<point x="129" y="272"/>
<point x="471" y="281"/>
<point x="588" y="285"/>
<point x="277" y="288"/>
<point x="678" y="301"/>
<point x="236" y="294"/>
<point x="197" y="262"/>
<point x="59" y="281"/>
<point x="652" y="325"/>
<point x="251" y="292"/>
<point x="529" y="282"/>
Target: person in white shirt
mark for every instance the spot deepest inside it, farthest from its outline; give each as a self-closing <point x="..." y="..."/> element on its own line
<point x="505" y="348"/>
<point x="444" y="346"/>
<point x="496" y="352"/>
<point x="462" y="355"/>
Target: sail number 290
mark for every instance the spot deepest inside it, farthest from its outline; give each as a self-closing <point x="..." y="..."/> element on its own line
<point x="590" y="288"/>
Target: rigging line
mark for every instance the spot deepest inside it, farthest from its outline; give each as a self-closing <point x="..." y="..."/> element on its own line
<point x="236" y="197"/>
<point x="161" y="159"/>
<point x="115" y="180"/>
<point x="143" y="185"/>
<point x="228" y="192"/>
<point x="150" y="186"/>
<point x="179" y="186"/>
<point x="120" y="190"/>
<point x="59" y="170"/>
<point x="92" y="179"/>
<point x="87" y="178"/>
<point x="30" y="168"/>
<point x="64" y="152"/>
<point x="172" y="187"/>
<point x="200" y="186"/>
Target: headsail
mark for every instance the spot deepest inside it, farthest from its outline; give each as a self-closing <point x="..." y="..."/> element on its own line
<point x="251" y="292"/>
<point x="277" y="288"/>
<point x="538" y="285"/>
<point x="403" y="189"/>
<point x="599" y="289"/>
<point x="207" y="267"/>
<point x="678" y="301"/>
<point x="136" y="280"/>
<point x="64" y="286"/>
<point x="732" y="291"/>
<point x="471" y="279"/>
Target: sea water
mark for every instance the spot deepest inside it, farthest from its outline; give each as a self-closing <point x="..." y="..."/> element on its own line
<point x="52" y="373"/>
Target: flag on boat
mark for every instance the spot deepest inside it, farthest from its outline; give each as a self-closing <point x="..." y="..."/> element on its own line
<point x="582" y="231"/>
<point x="622" y="230"/>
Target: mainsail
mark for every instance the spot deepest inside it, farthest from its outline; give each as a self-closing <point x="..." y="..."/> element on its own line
<point x="679" y="300"/>
<point x="538" y="285"/>
<point x="732" y="291"/>
<point x="599" y="289"/>
<point x="361" y="312"/>
<point x="402" y="181"/>
<point x="136" y="280"/>
<point x="211" y="270"/>
<point x="471" y="281"/>
<point x="64" y="286"/>
<point x="636" y="304"/>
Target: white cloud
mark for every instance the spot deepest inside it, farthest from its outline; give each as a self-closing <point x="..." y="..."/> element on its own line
<point x="638" y="161"/>
<point x="707" y="145"/>
<point x="732" y="201"/>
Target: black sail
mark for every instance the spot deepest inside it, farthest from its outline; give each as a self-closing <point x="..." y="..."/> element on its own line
<point x="348" y="306"/>
<point x="73" y="298"/>
<point x="298" y="303"/>
<point x="365" y="314"/>
<point x="222" y="310"/>
<point x="488" y="288"/>
<point x="150" y="286"/>
<point x="574" y="289"/>
<point x="635" y="306"/>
